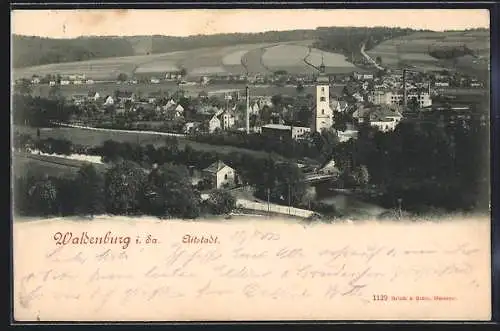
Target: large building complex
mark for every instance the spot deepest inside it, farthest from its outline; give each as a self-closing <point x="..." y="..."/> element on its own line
<point x="394" y="97"/>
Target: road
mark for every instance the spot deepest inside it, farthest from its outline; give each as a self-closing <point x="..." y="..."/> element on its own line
<point x="122" y="131"/>
<point x="367" y="57"/>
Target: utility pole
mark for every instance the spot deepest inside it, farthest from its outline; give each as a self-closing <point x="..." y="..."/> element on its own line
<point x="247" y="110"/>
<point x="268" y="202"/>
<point x="405" y="101"/>
<point x="400" y="211"/>
<point x="289" y="199"/>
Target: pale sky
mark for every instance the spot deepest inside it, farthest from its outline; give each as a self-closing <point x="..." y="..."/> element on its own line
<point x="101" y="22"/>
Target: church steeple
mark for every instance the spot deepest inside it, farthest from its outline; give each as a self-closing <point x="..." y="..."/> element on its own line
<point x="322" y="66"/>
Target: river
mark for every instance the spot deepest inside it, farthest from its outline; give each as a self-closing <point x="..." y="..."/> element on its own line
<point x="350" y="205"/>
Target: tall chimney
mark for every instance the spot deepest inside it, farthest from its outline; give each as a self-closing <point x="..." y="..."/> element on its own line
<point x="247" y="115"/>
<point x="405" y="101"/>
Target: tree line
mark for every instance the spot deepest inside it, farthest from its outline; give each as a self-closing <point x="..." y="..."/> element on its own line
<point x="348" y="40"/>
<point x="40" y="112"/>
<point x="427" y="164"/>
<point x="31" y="51"/>
<point x="280" y="176"/>
<point x="124" y="189"/>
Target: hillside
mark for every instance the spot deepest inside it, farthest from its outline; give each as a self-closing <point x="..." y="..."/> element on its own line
<point x="31" y="51"/>
<point x="298" y="51"/>
<point x="416" y="51"/>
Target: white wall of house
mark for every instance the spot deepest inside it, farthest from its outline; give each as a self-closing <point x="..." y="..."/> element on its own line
<point x="298" y="131"/>
<point x="225" y="176"/>
<point x="214" y="124"/>
<point x="384" y="126"/>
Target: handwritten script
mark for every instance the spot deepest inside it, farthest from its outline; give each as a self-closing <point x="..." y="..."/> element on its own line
<point x="257" y="272"/>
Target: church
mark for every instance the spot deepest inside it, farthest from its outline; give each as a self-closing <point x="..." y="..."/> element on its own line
<point x="322" y="113"/>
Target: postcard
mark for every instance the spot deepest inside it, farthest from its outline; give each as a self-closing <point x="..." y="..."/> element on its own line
<point x="251" y="165"/>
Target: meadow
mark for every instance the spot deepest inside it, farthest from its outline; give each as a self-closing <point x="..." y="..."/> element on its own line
<point x="258" y="58"/>
<point x="96" y="138"/>
<point x="414" y="49"/>
<point x="24" y="163"/>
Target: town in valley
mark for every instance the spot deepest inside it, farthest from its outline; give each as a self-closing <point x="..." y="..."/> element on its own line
<point x="328" y="124"/>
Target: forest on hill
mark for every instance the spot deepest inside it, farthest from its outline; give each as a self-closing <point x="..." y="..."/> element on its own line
<point x="31" y="51"/>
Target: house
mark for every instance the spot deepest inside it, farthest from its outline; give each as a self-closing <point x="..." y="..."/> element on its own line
<point x="52" y="83"/>
<point x="339" y="106"/>
<point x="214" y="124"/>
<point x="220" y="175"/>
<point x="441" y="84"/>
<point x="109" y="101"/>
<point x="190" y="127"/>
<point x="347" y="135"/>
<point x="155" y="81"/>
<point x="203" y="95"/>
<point x="35" y="80"/>
<point x="384" y="119"/>
<point x="174" y="111"/>
<point x="179" y="110"/>
<point x="209" y="110"/>
<point x="65" y="82"/>
<point x="78" y="99"/>
<point x="89" y="82"/>
<point x="254" y="109"/>
<point x="204" y="80"/>
<point x="77" y="82"/>
<point x="227" y="119"/>
<point x="328" y="168"/>
<point x="93" y="96"/>
<point x="395" y="97"/>
<point x="362" y="76"/>
<point x="280" y="131"/>
<point x="123" y="96"/>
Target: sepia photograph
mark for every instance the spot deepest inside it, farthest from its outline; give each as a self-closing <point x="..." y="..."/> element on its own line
<point x="250" y="164"/>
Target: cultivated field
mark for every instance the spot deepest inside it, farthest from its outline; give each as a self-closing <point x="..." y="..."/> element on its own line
<point x="414" y="49"/>
<point x="237" y="59"/>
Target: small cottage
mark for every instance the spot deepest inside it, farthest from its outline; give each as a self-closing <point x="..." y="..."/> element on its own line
<point x="220" y="175"/>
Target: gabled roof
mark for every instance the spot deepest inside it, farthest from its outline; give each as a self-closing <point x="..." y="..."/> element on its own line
<point x="216" y="167"/>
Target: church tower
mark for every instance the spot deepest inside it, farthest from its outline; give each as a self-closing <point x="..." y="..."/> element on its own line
<point x="322" y="114"/>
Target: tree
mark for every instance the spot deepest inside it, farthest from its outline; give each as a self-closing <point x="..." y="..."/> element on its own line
<point x="378" y="60"/>
<point x="277" y="100"/>
<point x="341" y="120"/>
<point x="221" y="202"/>
<point x="90" y="191"/>
<point x="23" y="86"/>
<point x="361" y="176"/>
<point x="174" y="187"/>
<point x="122" y="77"/>
<point x="124" y="184"/>
<point x="43" y="197"/>
<point x="183" y="72"/>
<point x="300" y="88"/>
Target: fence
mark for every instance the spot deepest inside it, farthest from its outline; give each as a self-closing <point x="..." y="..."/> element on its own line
<point x="273" y="208"/>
